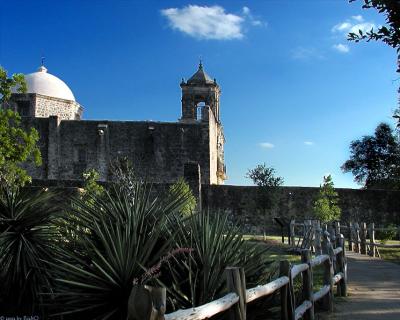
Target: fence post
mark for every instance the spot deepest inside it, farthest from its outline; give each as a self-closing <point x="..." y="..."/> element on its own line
<point x="342" y="263"/>
<point x="308" y="283"/>
<point x="337" y="228"/>
<point x="357" y="237"/>
<point x="286" y="292"/>
<point x="372" y="239"/>
<point x="332" y="233"/>
<point x="146" y="303"/>
<point x="327" y="248"/>
<point x="351" y="243"/>
<point x="317" y="237"/>
<point x="363" y="238"/>
<point x="292" y="239"/>
<point x="236" y="282"/>
<point x="308" y="234"/>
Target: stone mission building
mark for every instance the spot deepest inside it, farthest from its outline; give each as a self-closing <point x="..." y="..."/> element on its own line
<point x="158" y="150"/>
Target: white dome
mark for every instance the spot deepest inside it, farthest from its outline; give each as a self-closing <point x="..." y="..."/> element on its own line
<point x="44" y="83"/>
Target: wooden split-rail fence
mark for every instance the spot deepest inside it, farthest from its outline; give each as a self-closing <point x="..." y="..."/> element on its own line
<point x="331" y="256"/>
<point x="360" y="236"/>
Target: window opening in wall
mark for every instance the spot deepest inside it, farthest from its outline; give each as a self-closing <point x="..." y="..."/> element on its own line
<point x="23" y="108"/>
<point x="80" y="160"/>
<point x="81" y="155"/>
<point x="199" y="111"/>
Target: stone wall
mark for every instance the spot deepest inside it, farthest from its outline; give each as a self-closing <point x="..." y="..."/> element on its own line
<point x="64" y="109"/>
<point x="379" y="206"/>
<point x="158" y="150"/>
<point x="40" y="106"/>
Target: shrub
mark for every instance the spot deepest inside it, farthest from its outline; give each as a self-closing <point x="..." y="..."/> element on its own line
<point x="198" y="278"/>
<point x="27" y="237"/>
<point x="389" y="233"/>
<point x="326" y="206"/>
<point x="113" y="240"/>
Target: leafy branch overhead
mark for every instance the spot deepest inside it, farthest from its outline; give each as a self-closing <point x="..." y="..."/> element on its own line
<point x="389" y="33"/>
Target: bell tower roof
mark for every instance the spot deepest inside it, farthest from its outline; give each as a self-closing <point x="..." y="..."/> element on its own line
<point x="200" y="77"/>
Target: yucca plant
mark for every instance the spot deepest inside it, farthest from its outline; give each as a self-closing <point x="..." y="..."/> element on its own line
<point x="199" y="277"/>
<point x="27" y="236"/>
<point x="116" y="238"/>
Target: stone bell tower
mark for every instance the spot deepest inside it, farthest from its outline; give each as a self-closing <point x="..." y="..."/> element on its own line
<point x="199" y="92"/>
<point x="200" y="104"/>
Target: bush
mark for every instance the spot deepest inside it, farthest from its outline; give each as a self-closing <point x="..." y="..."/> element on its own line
<point x="113" y="240"/>
<point x="198" y="278"/>
<point x="27" y="238"/>
<point x="389" y="233"/>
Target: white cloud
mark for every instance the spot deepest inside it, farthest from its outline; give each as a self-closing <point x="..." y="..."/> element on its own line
<point x="358" y="18"/>
<point x="305" y="53"/>
<point x="308" y="143"/>
<point x="246" y="10"/>
<point x="266" y="145"/>
<point x="205" y="22"/>
<point x="253" y="21"/>
<point x="353" y="24"/>
<point x="342" y="48"/>
<point x="342" y="27"/>
<point x="364" y="27"/>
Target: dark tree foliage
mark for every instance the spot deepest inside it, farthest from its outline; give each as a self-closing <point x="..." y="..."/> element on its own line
<point x="375" y="160"/>
<point x="265" y="178"/>
<point x="389" y="33"/>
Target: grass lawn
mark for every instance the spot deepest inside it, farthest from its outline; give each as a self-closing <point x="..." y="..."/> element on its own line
<point x="280" y="251"/>
<point x="391" y="254"/>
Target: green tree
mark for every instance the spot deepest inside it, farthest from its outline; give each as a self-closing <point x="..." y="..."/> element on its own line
<point x="17" y="145"/>
<point x="264" y="176"/>
<point x="326" y="206"/>
<point x="375" y="160"/>
<point x="91" y="186"/>
<point x="17" y="80"/>
<point x="267" y="194"/>
<point x="179" y="189"/>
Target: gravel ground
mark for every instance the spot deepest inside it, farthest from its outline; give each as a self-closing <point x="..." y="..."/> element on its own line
<point x="374" y="290"/>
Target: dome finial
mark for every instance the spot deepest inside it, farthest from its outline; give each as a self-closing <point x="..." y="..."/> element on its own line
<point x="42" y="68"/>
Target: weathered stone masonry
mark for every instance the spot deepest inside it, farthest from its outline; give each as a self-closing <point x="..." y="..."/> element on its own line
<point x="379" y="206"/>
<point x="157" y="150"/>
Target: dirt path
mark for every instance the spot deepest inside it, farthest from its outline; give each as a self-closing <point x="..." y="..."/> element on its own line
<point x="374" y="290"/>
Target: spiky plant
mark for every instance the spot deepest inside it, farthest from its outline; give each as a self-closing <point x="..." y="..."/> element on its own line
<point x="199" y="278"/>
<point x="27" y="236"/>
<point x="116" y="238"/>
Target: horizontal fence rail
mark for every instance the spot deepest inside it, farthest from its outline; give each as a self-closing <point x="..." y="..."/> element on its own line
<point x="205" y="311"/>
<point x="329" y="247"/>
<point x="332" y="259"/>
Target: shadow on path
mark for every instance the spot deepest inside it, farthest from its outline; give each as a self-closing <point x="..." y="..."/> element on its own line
<point x="374" y="290"/>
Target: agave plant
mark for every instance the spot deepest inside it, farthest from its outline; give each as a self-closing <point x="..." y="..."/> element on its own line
<point x="27" y="233"/>
<point x="199" y="278"/>
<point x="114" y="239"/>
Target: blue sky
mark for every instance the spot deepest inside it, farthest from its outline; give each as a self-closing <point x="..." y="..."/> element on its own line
<point x="294" y="91"/>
